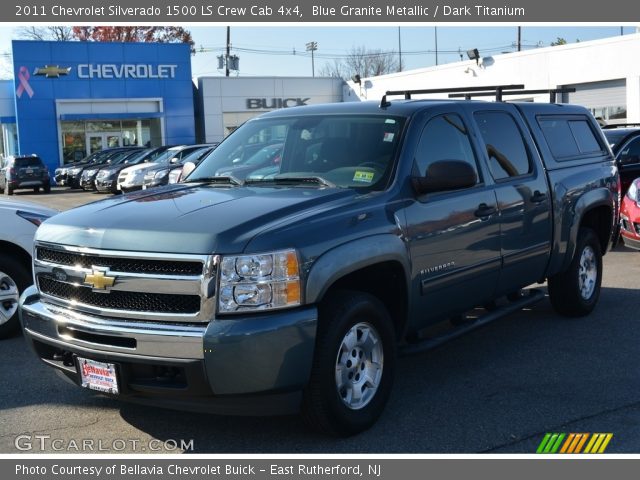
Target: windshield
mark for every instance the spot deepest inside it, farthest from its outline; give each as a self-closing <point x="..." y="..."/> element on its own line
<point x="348" y="151"/>
<point x="28" y="162"/>
<point x="197" y="155"/>
<point x="165" y="156"/>
<point x="614" y="137"/>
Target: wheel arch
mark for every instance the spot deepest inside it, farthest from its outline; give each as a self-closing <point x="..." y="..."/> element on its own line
<point x="378" y="265"/>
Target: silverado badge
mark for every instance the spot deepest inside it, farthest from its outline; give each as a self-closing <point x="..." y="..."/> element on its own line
<point x="99" y="280"/>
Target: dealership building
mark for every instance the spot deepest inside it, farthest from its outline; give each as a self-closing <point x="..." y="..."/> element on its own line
<point x="68" y="99"/>
<point x="604" y="73"/>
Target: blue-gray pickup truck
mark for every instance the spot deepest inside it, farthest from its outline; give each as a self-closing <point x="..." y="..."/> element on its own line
<point x="295" y="286"/>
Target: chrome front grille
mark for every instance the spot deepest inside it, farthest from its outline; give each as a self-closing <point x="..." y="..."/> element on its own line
<point x="130" y="265"/>
<point x="119" y="300"/>
<point x="141" y="286"/>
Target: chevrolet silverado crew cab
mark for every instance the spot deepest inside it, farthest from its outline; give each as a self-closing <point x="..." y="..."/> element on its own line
<point x="296" y="287"/>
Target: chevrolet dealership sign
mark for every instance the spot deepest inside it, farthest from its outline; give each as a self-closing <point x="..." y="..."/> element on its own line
<point x="125" y="70"/>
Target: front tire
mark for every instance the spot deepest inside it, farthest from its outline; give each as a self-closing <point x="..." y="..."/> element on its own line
<point x="14" y="279"/>
<point x="353" y="367"/>
<point x="575" y="292"/>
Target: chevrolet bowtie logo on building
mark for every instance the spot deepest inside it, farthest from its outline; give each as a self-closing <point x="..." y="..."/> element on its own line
<point x="52" y="71"/>
<point x="99" y="280"/>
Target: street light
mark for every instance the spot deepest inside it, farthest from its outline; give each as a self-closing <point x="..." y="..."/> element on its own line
<point x="312" y="47"/>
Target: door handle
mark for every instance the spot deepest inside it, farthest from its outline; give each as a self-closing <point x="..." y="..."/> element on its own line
<point x="538" y="197"/>
<point x="484" y="211"/>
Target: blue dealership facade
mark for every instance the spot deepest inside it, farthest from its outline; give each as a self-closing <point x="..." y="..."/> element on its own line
<point x="69" y="99"/>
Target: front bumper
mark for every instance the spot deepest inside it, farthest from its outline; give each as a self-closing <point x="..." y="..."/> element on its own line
<point x="130" y="187"/>
<point x="254" y="365"/>
<point x="105" y="185"/>
<point x="630" y="223"/>
<point x="87" y="183"/>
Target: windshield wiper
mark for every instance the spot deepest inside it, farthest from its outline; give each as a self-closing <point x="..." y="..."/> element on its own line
<point x="283" y="180"/>
<point x="222" y="180"/>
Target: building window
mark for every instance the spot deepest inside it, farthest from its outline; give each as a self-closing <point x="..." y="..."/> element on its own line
<point x="81" y="138"/>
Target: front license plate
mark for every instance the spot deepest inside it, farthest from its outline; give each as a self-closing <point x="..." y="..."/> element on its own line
<point x="99" y="376"/>
<point x="144" y="187"/>
<point x="118" y="187"/>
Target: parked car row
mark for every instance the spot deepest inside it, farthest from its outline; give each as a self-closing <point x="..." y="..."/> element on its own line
<point x="125" y="169"/>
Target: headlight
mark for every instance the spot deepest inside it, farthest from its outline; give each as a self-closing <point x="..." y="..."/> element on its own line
<point x="162" y="174"/>
<point x="74" y="171"/>
<point x="632" y="193"/>
<point x="259" y="282"/>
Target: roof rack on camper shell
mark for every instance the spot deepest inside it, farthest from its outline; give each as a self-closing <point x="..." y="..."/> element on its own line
<point x="467" y="92"/>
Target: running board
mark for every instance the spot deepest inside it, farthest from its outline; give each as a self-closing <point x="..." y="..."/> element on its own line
<point x="532" y="297"/>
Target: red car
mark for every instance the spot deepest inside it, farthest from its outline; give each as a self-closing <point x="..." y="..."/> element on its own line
<point x="630" y="216"/>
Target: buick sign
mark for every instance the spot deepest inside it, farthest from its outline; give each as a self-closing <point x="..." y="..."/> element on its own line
<point x="263" y="103"/>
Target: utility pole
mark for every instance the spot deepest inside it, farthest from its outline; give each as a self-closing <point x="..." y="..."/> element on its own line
<point x="519" y="38"/>
<point x="399" y="51"/>
<point x="312" y="47"/>
<point x="226" y="63"/>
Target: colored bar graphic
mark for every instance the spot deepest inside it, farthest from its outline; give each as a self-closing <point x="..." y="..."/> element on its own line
<point x="574" y="443"/>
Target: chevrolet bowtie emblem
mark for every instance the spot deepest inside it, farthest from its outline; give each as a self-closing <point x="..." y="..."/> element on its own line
<point x="52" y="71"/>
<point x="99" y="281"/>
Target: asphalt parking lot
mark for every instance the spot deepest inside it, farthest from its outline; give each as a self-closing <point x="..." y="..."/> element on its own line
<point x="498" y="389"/>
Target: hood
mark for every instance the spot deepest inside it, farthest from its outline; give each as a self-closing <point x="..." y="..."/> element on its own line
<point x="183" y="218"/>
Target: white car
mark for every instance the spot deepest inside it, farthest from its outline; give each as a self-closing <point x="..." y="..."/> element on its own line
<point x="18" y="223"/>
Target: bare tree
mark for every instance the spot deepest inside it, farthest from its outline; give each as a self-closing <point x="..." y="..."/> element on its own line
<point x="335" y="69"/>
<point x="59" y="33"/>
<point x="364" y="62"/>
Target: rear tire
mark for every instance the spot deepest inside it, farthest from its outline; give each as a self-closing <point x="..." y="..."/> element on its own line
<point x="353" y="366"/>
<point x="36" y="189"/>
<point x="14" y="279"/>
<point x="47" y="188"/>
<point x="575" y="292"/>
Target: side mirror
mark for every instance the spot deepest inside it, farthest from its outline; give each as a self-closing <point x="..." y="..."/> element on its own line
<point x="445" y="175"/>
<point x="187" y="169"/>
<point x="174" y="160"/>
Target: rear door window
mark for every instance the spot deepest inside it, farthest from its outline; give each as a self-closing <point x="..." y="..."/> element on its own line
<point x="507" y="153"/>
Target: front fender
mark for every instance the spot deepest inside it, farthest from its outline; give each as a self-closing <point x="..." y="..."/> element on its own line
<point x="352" y="256"/>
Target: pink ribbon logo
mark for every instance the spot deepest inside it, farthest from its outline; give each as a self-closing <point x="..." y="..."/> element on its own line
<point x="23" y="77"/>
